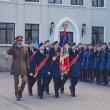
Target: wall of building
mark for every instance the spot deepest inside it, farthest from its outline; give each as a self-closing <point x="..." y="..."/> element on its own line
<point x="43" y="13"/>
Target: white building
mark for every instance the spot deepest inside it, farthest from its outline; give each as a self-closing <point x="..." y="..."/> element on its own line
<point x="88" y="21"/>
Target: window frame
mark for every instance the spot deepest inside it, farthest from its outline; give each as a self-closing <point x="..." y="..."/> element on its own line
<point x="26" y="42"/>
<point x="77" y="3"/>
<point x="32" y="1"/>
<point x="97" y="4"/>
<point x="97" y="34"/>
<point x="8" y="1"/>
<point x="6" y="29"/>
<point x="54" y="2"/>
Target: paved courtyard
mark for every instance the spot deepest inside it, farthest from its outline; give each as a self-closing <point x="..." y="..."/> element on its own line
<point x="89" y="97"/>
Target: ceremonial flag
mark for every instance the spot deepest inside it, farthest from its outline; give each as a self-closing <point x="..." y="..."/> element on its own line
<point x="64" y="57"/>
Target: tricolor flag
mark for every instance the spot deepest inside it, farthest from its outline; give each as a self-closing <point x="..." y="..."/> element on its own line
<point x="64" y="56"/>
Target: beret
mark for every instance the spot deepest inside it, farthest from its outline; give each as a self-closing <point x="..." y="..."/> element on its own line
<point x="55" y="42"/>
<point x="41" y="44"/>
<point x="47" y="41"/>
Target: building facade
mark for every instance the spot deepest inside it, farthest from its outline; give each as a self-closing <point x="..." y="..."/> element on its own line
<point x="88" y="22"/>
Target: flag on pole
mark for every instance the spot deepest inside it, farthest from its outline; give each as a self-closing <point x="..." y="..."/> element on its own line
<point x="64" y="57"/>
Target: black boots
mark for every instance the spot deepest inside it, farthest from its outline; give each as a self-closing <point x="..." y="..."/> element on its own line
<point x="72" y="90"/>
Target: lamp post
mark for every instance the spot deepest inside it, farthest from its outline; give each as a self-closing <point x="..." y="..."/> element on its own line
<point x="83" y="29"/>
<point x="52" y="24"/>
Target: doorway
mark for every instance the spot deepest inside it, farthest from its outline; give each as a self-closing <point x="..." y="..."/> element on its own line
<point x="69" y="36"/>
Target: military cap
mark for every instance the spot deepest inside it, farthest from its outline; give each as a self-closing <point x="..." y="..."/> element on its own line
<point x="41" y="44"/>
<point x="18" y="37"/>
<point x="47" y="41"/>
<point x="55" y="42"/>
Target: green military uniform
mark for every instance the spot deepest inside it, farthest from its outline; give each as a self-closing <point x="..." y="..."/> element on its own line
<point x="19" y="68"/>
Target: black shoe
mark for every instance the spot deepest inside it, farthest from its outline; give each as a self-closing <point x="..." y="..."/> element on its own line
<point x="62" y="92"/>
<point x="47" y="92"/>
<point x="20" y="96"/>
<point x="18" y="99"/>
<point x="73" y="95"/>
<point x="70" y="89"/>
<point x="30" y="94"/>
<point x="41" y="97"/>
<point x="56" y="96"/>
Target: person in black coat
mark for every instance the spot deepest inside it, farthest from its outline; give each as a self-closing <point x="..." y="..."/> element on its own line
<point x="108" y="65"/>
<point x="74" y="69"/>
<point x="56" y="69"/>
<point x="97" y="64"/>
<point x="42" y="73"/>
<point x="84" y="67"/>
<point x="90" y="63"/>
<point x="104" y="61"/>
<point x="31" y="80"/>
<point x="80" y="52"/>
<point x="49" y="51"/>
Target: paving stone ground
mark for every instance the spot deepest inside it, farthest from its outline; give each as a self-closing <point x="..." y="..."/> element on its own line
<point x="89" y="97"/>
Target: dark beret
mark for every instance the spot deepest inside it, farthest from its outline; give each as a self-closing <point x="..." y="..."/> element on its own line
<point x="47" y="41"/>
<point x="41" y="44"/>
<point x="55" y="42"/>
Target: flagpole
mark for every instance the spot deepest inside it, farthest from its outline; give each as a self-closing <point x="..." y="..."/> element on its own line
<point x="64" y="58"/>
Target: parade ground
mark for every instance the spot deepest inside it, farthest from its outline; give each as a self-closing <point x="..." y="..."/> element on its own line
<point x="89" y="97"/>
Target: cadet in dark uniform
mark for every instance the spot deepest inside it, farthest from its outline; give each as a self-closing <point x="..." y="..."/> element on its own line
<point x="84" y="68"/>
<point x="80" y="52"/>
<point x="19" y="65"/>
<point x="31" y="80"/>
<point x="90" y="63"/>
<point x="104" y="61"/>
<point x="97" y="64"/>
<point x="56" y="69"/>
<point x="74" y="69"/>
<point x="108" y="65"/>
<point x="49" y="51"/>
<point x="42" y="73"/>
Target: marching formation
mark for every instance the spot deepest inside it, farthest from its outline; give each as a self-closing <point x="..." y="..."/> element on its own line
<point x="88" y="63"/>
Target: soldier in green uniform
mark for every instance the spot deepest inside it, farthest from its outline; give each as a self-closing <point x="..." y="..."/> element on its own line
<point x="19" y="65"/>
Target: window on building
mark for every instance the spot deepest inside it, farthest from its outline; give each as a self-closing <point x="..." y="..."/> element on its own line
<point x="32" y="0"/>
<point x="76" y="2"/>
<point x="7" y="0"/>
<point x="31" y="32"/>
<point x="98" y="3"/>
<point x="97" y="35"/>
<point x="7" y="33"/>
<point x="55" y="1"/>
